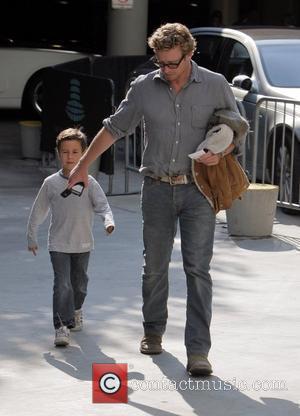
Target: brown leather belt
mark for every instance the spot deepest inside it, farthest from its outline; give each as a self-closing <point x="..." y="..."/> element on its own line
<point x="174" y="180"/>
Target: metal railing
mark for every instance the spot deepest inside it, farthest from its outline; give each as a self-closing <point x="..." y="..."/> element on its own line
<point x="134" y="147"/>
<point x="272" y="151"/>
<point x="275" y="149"/>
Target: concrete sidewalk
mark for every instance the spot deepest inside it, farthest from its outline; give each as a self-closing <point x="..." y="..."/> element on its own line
<point x="255" y="327"/>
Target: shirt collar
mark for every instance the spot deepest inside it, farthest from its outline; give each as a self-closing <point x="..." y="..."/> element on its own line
<point x="196" y="74"/>
<point x="62" y="175"/>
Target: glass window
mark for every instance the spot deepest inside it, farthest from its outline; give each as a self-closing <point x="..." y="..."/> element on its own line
<point x="208" y="51"/>
<point x="239" y="62"/>
<point x="281" y="62"/>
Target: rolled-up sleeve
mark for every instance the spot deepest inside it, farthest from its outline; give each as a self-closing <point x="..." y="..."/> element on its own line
<point x="127" y="115"/>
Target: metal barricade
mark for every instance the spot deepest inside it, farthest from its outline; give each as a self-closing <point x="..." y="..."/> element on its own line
<point x="272" y="150"/>
<point x="134" y="147"/>
<point x="274" y="155"/>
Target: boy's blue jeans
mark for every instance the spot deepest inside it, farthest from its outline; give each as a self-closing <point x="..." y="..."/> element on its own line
<point x="70" y="285"/>
<point x="163" y="206"/>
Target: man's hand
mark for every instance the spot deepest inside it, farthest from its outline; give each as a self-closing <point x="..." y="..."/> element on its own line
<point x="101" y="142"/>
<point x="78" y="174"/>
<point x="33" y="249"/>
<point x="209" y="158"/>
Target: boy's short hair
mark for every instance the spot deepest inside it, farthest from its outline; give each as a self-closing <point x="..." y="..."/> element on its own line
<point x="170" y="35"/>
<point x="72" y="134"/>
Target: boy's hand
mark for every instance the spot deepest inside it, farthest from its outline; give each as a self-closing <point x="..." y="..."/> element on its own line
<point x="33" y="249"/>
<point x="110" y="229"/>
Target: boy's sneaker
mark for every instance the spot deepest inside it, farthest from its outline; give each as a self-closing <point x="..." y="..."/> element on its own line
<point x="78" y="320"/>
<point x="62" y="337"/>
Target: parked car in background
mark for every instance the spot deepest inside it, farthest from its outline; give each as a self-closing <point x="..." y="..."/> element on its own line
<point x="259" y="62"/>
<point x="22" y="66"/>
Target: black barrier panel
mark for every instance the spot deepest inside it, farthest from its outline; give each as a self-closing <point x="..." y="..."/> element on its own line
<point x="73" y="99"/>
<point x="83" y="66"/>
<point x="118" y="69"/>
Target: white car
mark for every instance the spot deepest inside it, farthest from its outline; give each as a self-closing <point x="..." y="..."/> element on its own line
<point x="262" y="62"/>
<point x="21" y="73"/>
<point x="259" y="62"/>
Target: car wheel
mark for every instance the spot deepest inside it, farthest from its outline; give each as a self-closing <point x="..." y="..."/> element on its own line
<point x="32" y="100"/>
<point x="283" y="157"/>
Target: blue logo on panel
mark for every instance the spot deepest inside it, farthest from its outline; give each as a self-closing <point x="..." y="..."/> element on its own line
<point x="74" y="108"/>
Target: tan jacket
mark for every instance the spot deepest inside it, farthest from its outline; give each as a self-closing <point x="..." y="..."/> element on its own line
<point x="223" y="183"/>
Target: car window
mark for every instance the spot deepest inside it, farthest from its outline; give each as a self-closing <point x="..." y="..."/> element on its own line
<point x="208" y="51"/>
<point x="239" y="62"/>
<point x="280" y="62"/>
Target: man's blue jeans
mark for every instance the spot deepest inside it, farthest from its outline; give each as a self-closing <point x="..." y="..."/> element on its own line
<point x="70" y="285"/>
<point x="163" y="206"/>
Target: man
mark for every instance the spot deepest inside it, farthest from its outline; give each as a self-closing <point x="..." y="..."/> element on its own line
<point x="176" y="102"/>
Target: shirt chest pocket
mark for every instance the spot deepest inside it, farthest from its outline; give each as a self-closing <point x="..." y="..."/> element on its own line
<point x="201" y="115"/>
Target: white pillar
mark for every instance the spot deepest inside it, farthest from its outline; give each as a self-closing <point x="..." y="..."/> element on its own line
<point x="127" y="29"/>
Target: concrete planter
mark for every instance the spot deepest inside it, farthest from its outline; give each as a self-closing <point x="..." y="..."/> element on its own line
<point x="253" y="215"/>
<point x="31" y="139"/>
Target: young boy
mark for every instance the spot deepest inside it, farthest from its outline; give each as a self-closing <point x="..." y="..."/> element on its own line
<point x="70" y="237"/>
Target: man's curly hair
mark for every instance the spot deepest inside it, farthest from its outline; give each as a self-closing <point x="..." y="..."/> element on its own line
<point x="170" y="35"/>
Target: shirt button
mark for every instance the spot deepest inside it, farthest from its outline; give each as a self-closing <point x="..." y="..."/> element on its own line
<point x="173" y="160"/>
<point x="177" y="105"/>
<point x="176" y="142"/>
<point x="178" y="123"/>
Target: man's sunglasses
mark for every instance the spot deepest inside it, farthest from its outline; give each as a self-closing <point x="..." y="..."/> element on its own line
<point x="171" y="65"/>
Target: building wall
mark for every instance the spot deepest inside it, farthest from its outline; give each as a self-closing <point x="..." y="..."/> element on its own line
<point x="87" y="21"/>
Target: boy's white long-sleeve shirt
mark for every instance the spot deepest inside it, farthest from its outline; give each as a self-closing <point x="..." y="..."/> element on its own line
<point x="72" y="218"/>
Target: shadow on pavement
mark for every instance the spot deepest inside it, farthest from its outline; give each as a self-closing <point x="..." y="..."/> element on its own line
<point x="219" y="397"/>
